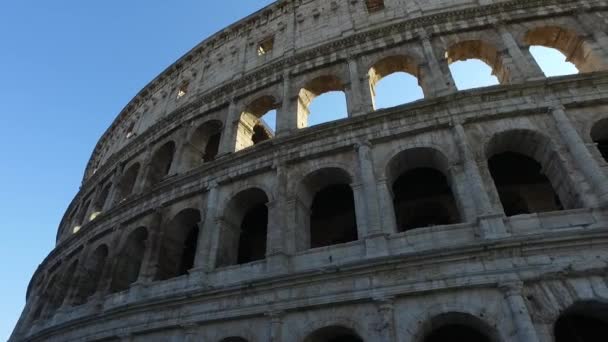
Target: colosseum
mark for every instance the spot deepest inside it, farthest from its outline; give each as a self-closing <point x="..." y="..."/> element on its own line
<point x="471" y="215"/>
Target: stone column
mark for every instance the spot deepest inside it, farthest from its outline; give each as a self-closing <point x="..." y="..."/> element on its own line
<point x="361" y="99"/>
<point x="275" y="244"/>
<point x="360" y="210"/>
<point x="581" y="154"/>
<point x="387" y="209"/>
<point x="437" y="81"/>
<point x="512" y="291"/>
<point x="140" y="182"/>
<point x="149" y="264"/>
<point x="178" y="160"/>
<point x="490" y="219"/>
<point x="287" y="114"/>
<point x="208" y="229"/>
<point x="228" y="139"/>
<point x="522" y="59"/>
<point x="375" y="240"/>
<point x="386" y="311"/>
<point x="276" y="326"/>
<point x="105" y="281"/>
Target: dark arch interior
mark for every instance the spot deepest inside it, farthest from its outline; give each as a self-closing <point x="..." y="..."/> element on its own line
<point x="252" y="241"/>
<point x="92" y="274"/>
<point x="585" y="323"/>
<point x="127" y="183"/>
<point x="599" y="134"/>
<point x="456" y="332"/>
<point x="212" y="148"/>
<point x="334" y="334"/>
<point x="332" y="218"/>
<point x="179" y="244"/>
<point x="130" y="259"/>
<point x="521" y="184"/>
<point x="260" y="133"/>
<point x="422" y="197"/>
<point x="161" y="163"/>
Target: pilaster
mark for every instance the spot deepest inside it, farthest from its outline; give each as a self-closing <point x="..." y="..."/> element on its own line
<point x="512" y="291"/>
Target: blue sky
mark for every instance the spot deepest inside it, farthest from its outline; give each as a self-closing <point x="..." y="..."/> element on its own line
<point x="67" y="68"/>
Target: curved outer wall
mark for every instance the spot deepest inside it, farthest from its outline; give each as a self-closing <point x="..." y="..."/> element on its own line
<point x="154" y="188"/>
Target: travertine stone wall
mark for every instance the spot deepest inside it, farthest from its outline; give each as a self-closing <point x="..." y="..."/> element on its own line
<point x="510" y="277"/>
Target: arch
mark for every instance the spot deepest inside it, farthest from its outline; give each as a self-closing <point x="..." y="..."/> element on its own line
<point x="61" y="287"/>
<point x="252" y="129"/>
<point x="573" y="45"/>
<point x="160" y="164"/>
<point x="244" y="228"/>
<point x="89" y="279"/>
<point x="540" y="179"/>
<point x="421" y="189"/>
<point x="599" y="135"/>
<point x="100" y="201"/>
<point x="389" y="66"/>
<point x="457" y="326"/>
<point x="334" y="333"/>
<point x="311" y="90"/>
<point x="46" y="298"/>
<point x="483" y="51"/>
<point x="127" y="182"/>
<point x="203" y="145"/>
<point x="582" y="322"/>
<point x="179" y="243"/>
<point x="129" y="260"/>
<point x="326" y="208"/>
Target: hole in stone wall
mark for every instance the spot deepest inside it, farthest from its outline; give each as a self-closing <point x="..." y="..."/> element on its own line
<point x="100" y="201"/>
<point x="160" y="164"/>
<point x="332" y="218"/>
<point x="321" y="100"/>
<point x="252" y="242"/>
<point x="552" y="61"/>
<point x="422" y="197"/>
<point x="569" y="43"/>
<point x="374" y="5"/>
<point x="393" y="81"/>
<point x="265" y="46"/>
<point x="203" y="145"/>
<point x="474" y="64"/>
<point x="522" y="186"/>
<point x="127" y="182"/>
<point x="599" y="135"/>
<point x="257" y="122"/>
<point x="129" y="260"/>
<point x="334" y="334"/>
<point x="583" y="322"/>
<point x="93" y="269"/>
<point x="179" y="243"/>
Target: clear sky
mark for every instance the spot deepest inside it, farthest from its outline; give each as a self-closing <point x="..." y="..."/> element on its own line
<point x="67" y="68"/>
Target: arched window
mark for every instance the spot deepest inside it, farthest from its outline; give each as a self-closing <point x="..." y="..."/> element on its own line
<point x="393" y="81"/>
<point x="100" y="201"/>
<point x="62" y="287"/>
<point x="552" y="62"/>
<point x="331" y="106"/>
<point x="93" y="269"/>
<point x="254" y="124"/>
<point x="569" y="43"/>
<point x="127" y="183"/>
<point x="422" y="194"/>
<point x="455" y="326"/>
<point x="245" y="228"/>
<point x="81" y="218"/>
<point x="474" y="63"/>
<point x="528" y="174"/>
<point x="160" y="164"/>
<point x="599" y="135"/>
<point x="327" y="204"/>
<point x="179" y="243"/>
<point x="130" y="260"/>
<point x="203" y="145"/>
<point x="334" y="334"/>
<point x="583" y="322"/>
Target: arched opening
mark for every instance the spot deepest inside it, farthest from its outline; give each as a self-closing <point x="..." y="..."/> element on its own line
<point x="203" y="145"/>
<point x="529" y="174"/>
<point x="552" y="62"/>
<point x="328" y="204"/>
<point x="474" y="64"/>
<point x="100" y="202"/>
<point x="599" y="135"/>
<point x="61" y="287"/>
<point x="522" y="186"/>
<point x="393" y="81"/>
<point x="46" y="298"/>
<point x="422" y="193"/>
<point x="569" y="43"/>
<point x="89" y="279"/>
<point x="127" y="183"/>
<point x="245" y="228"/>
<point x="583" y="322"/>
<point x="160" y="164"/>
<point x="81" y="219"/>
<point x="334" y="334"/>
<point x="457" y="326"/>
<point x="329" y="104"/>
<point x="179" y="243"/>
<point x="130" y="260"/>
<point x="254" y="125"/>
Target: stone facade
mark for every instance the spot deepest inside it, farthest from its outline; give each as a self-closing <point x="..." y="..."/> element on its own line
<point x="186" y="229"/>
